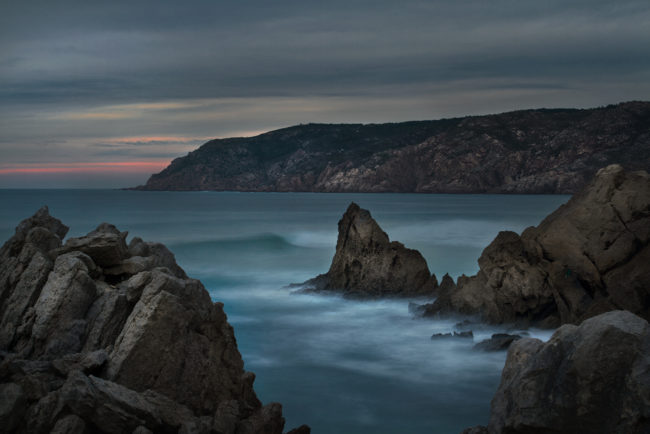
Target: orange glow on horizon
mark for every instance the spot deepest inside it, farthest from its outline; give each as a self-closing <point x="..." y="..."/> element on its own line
<point x="87" y="167"/>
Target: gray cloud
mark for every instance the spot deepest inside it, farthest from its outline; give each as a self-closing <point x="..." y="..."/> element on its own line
<point x="237" y="67"/>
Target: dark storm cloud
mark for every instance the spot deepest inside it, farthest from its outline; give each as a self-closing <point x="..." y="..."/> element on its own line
<point x="68" y="51"/>
<point x="88" y="72"/>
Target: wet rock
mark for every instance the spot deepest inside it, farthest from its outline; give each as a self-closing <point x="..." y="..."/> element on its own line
<point x="302" y="429"/>
<point x="589" y="256"/>
<point x="587" y="378"/>
<point x="498" y="342"/>
<point x="368" y="264"/>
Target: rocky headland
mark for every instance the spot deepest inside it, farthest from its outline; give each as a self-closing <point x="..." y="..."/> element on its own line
<point x="528" y="151"/>
<point x="368" y="264"/>
<point x="591" y="378"/>
<point x="98" y="336"/>
<point x="590" y="256"/>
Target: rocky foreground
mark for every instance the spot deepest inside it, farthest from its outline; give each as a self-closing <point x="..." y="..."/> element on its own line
<point x="368" y="264"/>
<point x="98" y="336"/>
<point x="529" y="151"/>
<point x="592" y="378"/>
<point x="591" y="255"/>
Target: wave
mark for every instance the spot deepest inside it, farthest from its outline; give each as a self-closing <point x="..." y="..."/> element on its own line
<point x="263" y="242"/>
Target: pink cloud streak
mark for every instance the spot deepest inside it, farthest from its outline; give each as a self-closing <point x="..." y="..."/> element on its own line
<point x="89" y="167"/>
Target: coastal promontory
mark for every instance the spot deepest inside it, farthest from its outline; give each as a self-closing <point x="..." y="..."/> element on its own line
<point x="526" y="151"/>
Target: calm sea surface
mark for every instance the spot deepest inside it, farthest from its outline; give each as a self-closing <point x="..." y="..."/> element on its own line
<point x="341" y="366"/>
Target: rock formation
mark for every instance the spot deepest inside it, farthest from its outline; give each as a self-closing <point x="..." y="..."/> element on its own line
<point x="590" y="378"/>
<point x="98" y="336"/>
<point x="529" y="151"/>
<point x="590" y="256"/>
<point x="368" y="264"/>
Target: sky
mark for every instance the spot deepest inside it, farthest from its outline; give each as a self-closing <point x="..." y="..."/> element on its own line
<point x="102" y="94"/>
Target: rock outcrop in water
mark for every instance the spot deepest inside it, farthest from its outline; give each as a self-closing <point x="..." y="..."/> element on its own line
<point x="590" y="256"/>
<point x="530" y="151"/>
<point x="368" y="264"/>
<point x="592" y="378"/>
<point x="98" y="336"/>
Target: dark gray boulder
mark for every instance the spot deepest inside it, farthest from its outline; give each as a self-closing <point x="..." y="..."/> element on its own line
<point x="590" y="378"/>
<point x="589" y="256"/>
<point x="96" y="339"/>
<point x="368" y="264"/>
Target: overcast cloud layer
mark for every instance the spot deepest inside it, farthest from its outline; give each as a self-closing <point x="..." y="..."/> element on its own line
<point x="147" y="81"/>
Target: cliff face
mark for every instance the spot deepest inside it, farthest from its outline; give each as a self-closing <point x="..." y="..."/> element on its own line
<point x="98" y="336"/>
<point x="531" y="151"/>
<point x="368" y="264"/>
<point x="590" y="256"/>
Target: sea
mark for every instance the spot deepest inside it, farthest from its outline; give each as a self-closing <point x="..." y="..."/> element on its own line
<point x="338" y="365"/>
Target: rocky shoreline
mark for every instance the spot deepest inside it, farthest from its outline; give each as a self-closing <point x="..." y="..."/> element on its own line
<point x="587" y="266"/>
<point x="98" y="336"/>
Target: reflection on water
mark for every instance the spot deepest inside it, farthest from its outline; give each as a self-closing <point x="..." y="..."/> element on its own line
<point x="341" y="366"/>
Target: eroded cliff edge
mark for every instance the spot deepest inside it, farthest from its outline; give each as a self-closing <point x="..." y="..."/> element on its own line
<point x="98" y="336"/>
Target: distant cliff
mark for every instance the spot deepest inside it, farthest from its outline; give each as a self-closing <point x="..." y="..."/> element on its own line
<point x="529" y="151"/>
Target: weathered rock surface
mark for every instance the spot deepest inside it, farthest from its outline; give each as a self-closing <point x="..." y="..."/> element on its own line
<point x="591" y="378"/>
<point x="590" y="256"/>
<point x="98" y="336"/>
<point x="529" y="151"/>
<point x="368" y="264"/>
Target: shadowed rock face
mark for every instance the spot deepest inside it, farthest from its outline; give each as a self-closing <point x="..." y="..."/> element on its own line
<point x="589" y="256"/>
<point x="367" y="263"/>
<point x="100" y="336"/>
<point x="528" y="151"/>
<point x="588" y="378"/>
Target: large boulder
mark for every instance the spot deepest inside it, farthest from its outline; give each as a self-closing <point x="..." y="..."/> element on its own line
<point x="589" y="378"/>
<point x="368" y="264"/>
<point x="589" y="256"/>
<point x="98" y="336"/>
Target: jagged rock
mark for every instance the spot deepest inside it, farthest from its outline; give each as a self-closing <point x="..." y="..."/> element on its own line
<point x="71" y="424"/>
<point x="498" y="342"/>
<point x="106" y="245"/>
<point x="589" y="256"/>
<point x="588" y="378"/>
<point x="96" y="339"/>
<point x="302" y="429"/>
<point x="447" y="283"/>
<point x="366" y="263"/>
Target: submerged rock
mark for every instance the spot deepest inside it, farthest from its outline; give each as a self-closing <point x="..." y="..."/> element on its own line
<point x="589" y="256"/>
<point x="588" y="378"/>
<point x="97" y="339"/>
<point x="498" y="342"/>
<point x="463" y="335"/>
<point x="368" y="264"/>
